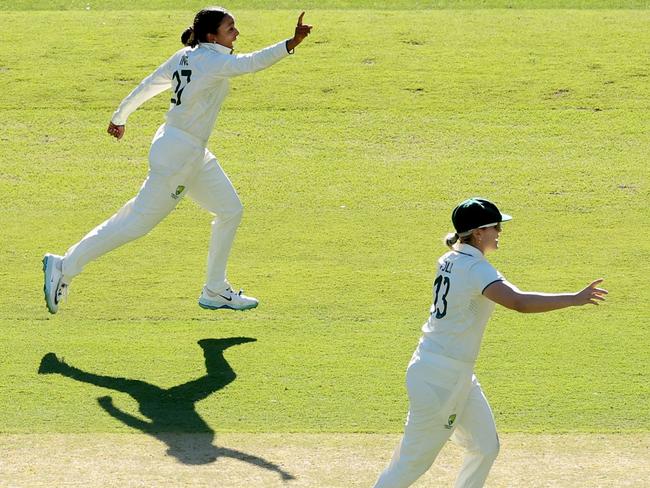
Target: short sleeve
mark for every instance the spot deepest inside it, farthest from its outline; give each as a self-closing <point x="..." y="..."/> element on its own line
<point x="483" y="274"/>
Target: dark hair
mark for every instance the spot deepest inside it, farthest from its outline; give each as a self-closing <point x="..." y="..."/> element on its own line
<point x="206" y="21"/>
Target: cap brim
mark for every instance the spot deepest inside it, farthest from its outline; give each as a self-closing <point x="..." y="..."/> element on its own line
<point x="505" y="217"/>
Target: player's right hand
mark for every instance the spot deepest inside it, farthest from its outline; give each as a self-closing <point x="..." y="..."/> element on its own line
<point x="116" y="131"/>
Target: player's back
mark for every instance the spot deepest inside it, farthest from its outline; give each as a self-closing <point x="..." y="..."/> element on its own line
<point x="459" y="311"/>
<point x="197" y="90"/>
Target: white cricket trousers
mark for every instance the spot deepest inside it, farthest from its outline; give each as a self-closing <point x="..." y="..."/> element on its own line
<point x="446" y="401"/>
<point x="179" y="165"/>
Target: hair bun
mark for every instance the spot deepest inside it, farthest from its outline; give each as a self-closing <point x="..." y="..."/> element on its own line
<point x="451" y="239"/>
<point x="187" y="37"/>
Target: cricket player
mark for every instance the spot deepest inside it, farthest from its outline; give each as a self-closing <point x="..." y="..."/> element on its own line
<point x="179" y="162"/>
<point x="445" y="398"/>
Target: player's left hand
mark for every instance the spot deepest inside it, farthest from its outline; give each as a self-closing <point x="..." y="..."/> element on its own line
<point x="302" y="31"/>
<point x="591" y="293"/>
<point x="116" y="131"/>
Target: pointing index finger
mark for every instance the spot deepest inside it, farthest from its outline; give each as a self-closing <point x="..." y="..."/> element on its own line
<point x="300" y="18"/>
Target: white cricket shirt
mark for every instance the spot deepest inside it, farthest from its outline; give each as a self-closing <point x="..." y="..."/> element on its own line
<point x="199" y="80"/>
<point x="460" y="312"/>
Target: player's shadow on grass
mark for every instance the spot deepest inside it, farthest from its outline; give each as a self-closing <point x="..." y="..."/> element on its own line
<point x="172" y="415"/>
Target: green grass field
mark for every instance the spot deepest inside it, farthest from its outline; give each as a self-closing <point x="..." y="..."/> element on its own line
<point x="348" y="157"/>
<point x="237" y="5"/>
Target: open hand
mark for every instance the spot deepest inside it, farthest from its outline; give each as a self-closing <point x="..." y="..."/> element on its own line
<point x="591" y="294"/>
<point x="116" y="131"/>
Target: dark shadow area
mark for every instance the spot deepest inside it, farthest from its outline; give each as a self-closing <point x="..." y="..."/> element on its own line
<point x="171" y="413"/>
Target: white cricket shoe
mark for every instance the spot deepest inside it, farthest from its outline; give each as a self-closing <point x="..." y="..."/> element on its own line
<point x="54" y="288"/>
<point x="226" y="299"/>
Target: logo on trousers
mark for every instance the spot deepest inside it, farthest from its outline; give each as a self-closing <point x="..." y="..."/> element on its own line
<point x="177" y="193"/>
<point x="450" y="421"/>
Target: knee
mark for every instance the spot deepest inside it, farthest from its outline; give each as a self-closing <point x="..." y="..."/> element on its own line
<point x="137" y="224"/>
<point x="237" y="210"/>
<point x="233" y="213"/>
<point x="490" y="450"/>
<point x="135" y="232"/>
<point x="416" y="463"/>
<point x="417" y="466"/>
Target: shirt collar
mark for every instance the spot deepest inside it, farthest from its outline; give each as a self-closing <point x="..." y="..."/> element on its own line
<point x="216" y="47"/>
<point x="468" y="249"/>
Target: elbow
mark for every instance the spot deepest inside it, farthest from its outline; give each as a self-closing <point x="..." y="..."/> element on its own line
<point x="520" y="305"/>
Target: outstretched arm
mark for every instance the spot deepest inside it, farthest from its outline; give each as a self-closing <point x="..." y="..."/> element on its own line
<point x="106" y="403"/>
<point x="235" y="65"/>
<point x="509" y="296"/>
<point x="256" y="460"/>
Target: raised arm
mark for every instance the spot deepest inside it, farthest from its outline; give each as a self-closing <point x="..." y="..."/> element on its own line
<point x="302" y="31"/>
<point x="509" y="296"/>
<point x="240" y="64"/>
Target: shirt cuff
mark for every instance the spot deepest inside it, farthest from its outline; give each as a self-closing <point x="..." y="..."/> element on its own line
<point x="118" y="118"/>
